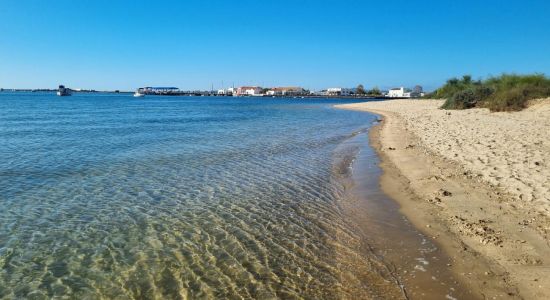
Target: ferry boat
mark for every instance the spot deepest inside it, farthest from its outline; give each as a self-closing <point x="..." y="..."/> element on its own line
<point x="62" y="91"/>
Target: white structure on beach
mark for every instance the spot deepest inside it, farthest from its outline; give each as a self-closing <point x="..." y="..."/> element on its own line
<point x="249" y="91"/>
<point x="339" y="92"/>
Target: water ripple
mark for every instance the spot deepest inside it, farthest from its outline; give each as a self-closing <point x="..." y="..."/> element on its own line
<point x="109" y="197"/>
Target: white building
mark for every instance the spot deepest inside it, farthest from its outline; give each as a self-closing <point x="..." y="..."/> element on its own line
<point x="402" y="92"/>
<point x="227" y="92"/>
<point x="396" y="92"/>
<point x="286" y="91"/>
<point x="339" y="92"/>
<point x="320" y="93"/>
<point x="249" y="91"/>
<point x="231" y="91"/>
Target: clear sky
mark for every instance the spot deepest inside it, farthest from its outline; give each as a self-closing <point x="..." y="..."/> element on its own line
<point x="316" y="44"/>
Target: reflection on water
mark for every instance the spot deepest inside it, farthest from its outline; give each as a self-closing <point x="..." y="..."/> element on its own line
<point x="109" y="196"/>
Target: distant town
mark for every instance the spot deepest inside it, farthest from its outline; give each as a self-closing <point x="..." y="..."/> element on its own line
<point x="258" y="91"/>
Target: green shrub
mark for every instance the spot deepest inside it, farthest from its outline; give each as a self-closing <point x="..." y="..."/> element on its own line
<point x="468" y="98"/>
<point x="508" y="92"/>
<point x="375" y="91"/>
<point x="510" y="81"/>
<point x="515" y="99"/>
<point x="454" y="86"/>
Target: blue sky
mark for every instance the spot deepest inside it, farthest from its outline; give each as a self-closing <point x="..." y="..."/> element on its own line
<point x="316" y="44"/>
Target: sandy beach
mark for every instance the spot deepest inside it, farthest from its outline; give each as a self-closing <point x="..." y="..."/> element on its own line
<point x="478" y="183"/>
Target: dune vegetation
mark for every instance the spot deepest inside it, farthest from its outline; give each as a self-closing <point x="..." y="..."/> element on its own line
<point x="507" y="92"/>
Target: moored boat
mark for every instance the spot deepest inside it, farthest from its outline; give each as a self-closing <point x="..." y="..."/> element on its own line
<point x="139" y="93"/>
<point x="63" y="91"/>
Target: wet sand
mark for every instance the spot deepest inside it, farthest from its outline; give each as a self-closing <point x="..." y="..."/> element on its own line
<point x="496" y="240"/>
<point x="413" y="261"/>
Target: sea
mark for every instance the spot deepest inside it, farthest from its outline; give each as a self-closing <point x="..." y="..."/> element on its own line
<point x="107" y="196"/>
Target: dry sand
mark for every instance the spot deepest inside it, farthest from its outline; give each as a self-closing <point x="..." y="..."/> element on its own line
<point x="479" y="183"/>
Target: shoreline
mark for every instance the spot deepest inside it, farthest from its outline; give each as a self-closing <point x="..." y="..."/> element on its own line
<point x="415" y="262"/>
<point x="475" y="224"/>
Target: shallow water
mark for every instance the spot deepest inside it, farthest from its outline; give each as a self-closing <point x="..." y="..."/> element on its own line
<point x="178" y="197"/>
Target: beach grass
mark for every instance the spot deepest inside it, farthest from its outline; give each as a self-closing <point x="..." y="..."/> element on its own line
<point x="507" y="92"/>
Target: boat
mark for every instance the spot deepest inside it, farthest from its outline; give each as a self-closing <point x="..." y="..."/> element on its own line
<point x="139" y="93"/>
<point x="62" y="91"/>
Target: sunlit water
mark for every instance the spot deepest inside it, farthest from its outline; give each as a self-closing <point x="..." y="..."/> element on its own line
<point x="108" y="196"/>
